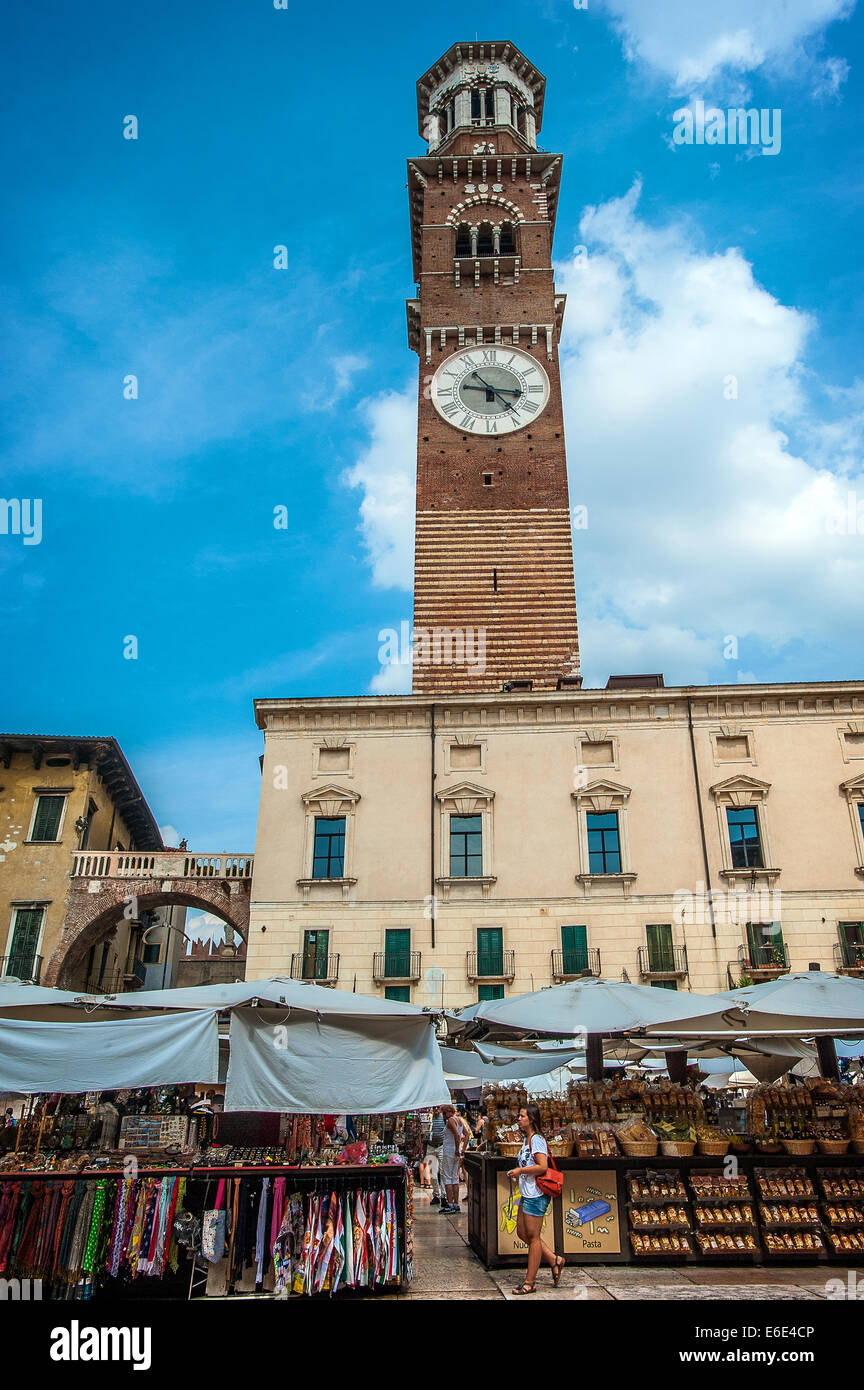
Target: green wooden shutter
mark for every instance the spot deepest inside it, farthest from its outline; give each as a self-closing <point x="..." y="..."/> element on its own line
<point x="490" y="951"/>
<point x="25" y="938"/>
<point x="49" y="810"/>
<point x="574" y="948"/>
<point x="397" y="952"/>
<point x="660" y="953"/>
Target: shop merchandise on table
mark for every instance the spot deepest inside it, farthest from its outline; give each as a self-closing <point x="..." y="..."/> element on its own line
<point x="640" y="1183"/>
<point x="102" y="1199"/>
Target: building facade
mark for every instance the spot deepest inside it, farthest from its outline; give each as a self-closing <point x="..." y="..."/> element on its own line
<point x="478" y="846"/>
<point x="60" y="796"/>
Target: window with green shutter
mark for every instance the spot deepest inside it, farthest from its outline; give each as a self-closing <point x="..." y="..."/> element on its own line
<point x="21" y="960"/>
<point x="660" y="953"/>
<point x="400" y="994"/>
<point x="485" y="992"/>
<point x="46" y="822"/>
<point x="397" y="952"/>
<point x="490" y="951"/>
<point x="574" y="950"/>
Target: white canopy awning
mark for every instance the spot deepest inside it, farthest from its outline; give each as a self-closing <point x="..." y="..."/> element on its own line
<point x="290" y="1061"/>
<point x="108" y="1055"/>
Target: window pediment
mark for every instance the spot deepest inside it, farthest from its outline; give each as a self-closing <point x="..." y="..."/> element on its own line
<point x="601" y="795"/>
<point x="740" y="791"/>
<point x="330" y="800"/>
<point x="465" y="798"/>
<point x="853" y="790"/>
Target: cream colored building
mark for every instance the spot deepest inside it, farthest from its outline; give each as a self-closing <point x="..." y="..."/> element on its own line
<point x="481" y="845"/>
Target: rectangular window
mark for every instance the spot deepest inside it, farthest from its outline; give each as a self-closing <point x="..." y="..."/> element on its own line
<point x="489" y="992"/>
<point x="150" y="954"/>
<point x="46" y="821"/>
<point x="490" y="951"/>
<point x="852" y="943"/>
<point x="744" y="837"/>
<point x="466" y="846"/>
<point x="661" y="956"/>
<point x="329" y="857"/>
<point x="861" y="815"/>
<point x="574" y="950"/>
<point x="21" y="960"/>
<point x="664" y="984"/>
<point x="400" y="994"/>
<point x="397" y="952"/>
<point x="315" y="948"/>
<point x="604" y="845"/>
<point x="765" y="945"/>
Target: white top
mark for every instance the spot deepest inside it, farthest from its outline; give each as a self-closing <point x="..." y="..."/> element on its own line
<point x="527" y="1181"/>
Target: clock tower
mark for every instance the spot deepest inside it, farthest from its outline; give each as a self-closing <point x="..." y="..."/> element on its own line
<point x="494" y="597"/>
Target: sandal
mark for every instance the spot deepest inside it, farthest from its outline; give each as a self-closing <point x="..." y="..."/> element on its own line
<point x="557" y="1268"/>
<point x="526" y="1288"/>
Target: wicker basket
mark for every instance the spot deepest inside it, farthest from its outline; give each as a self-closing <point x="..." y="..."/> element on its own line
<point x="833" y="1146"/>
<point x="799" y="1148"/>
<point x="509" y="1150"/>
<point x="643" y="1148"/>
<point x="858" y="1146"/>
<point x="561" y="1148"/>
<point x="717" y="1147"/>
<point x="677" y="1148"/>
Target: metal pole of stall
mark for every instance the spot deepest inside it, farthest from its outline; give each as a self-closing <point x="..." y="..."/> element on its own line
<point x="827" y="1054"/>
<point x="594" y="1057"/>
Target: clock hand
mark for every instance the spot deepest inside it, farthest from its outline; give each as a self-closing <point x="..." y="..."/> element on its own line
<point x="507" y="404"/>
<point x="499" y="390"/>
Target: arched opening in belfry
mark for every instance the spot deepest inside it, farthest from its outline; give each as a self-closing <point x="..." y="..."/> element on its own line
<point x="463" y="239"/>
<point x="485" y="240"/>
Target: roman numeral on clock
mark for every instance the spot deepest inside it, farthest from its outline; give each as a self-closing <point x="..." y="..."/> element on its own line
<point x="467" y="422"/>
<point x="488" y="359"/>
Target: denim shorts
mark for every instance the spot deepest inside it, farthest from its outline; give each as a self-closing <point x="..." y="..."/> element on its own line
<point x="535" y="1206"/>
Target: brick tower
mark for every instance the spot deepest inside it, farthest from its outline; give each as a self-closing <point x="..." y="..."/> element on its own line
<point x="494" y="597"/>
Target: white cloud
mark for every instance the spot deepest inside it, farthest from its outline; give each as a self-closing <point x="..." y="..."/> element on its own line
<point x="386" y="473"/>
<point x="204" y="926"/>
<point x="703" y="520"/>
<point x="170" y="836"/>
<point x="692" y="43"/>
<point x="392" y="679"/>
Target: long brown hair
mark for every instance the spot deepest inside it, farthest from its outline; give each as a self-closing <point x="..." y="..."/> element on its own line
<point x="532" y="1110"/>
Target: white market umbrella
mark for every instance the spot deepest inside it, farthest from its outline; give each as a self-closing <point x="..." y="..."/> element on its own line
<point x="595" y="1006"/>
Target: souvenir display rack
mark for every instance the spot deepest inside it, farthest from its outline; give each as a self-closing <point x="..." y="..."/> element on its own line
<point x="92" y="1261"/>
<point x="724" y="1214"/>
<point x="659" y="1214"/>
<point x="754" y="1217"/>
<point x="842" y="1198"/>
<point x="827" y="1115"/>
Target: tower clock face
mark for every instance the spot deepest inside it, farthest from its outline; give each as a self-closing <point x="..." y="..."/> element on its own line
<point x="490" y="390"/>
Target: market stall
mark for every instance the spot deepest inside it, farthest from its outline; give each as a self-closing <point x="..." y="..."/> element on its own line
<point x="652" y="1175"/>
<point x="154" y="1189"/>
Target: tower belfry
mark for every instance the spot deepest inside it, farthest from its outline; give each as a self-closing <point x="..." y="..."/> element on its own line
<point x="494" y="596"/>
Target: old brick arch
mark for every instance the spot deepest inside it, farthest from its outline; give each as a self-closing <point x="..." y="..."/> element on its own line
<point x="90" y="916"/>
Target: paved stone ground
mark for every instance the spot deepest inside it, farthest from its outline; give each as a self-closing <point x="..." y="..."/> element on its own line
<point x="447" y="1268"/>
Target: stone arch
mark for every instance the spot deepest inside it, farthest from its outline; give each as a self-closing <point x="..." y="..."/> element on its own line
<point x="484" y="201"/>
<point x="90" y="916"/>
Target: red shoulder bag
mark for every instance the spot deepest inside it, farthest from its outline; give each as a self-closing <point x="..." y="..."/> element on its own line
<point x="551" y="1183"/>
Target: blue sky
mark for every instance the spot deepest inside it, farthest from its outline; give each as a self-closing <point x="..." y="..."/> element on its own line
<point x="709" y="518"/>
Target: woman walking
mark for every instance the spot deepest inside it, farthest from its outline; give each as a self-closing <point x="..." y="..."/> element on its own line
<point x="533" y="1204"/>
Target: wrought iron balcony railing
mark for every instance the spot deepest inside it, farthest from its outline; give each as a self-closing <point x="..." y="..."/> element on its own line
<point x="573" y="964"/>
<point x="319" y="970"/>
<point x="396" y="965"/>
<point x="665" y="963"/>
<point x="491" y="965"/>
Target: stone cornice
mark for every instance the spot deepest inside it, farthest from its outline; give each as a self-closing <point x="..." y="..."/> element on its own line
<point x="564" y="708"/>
